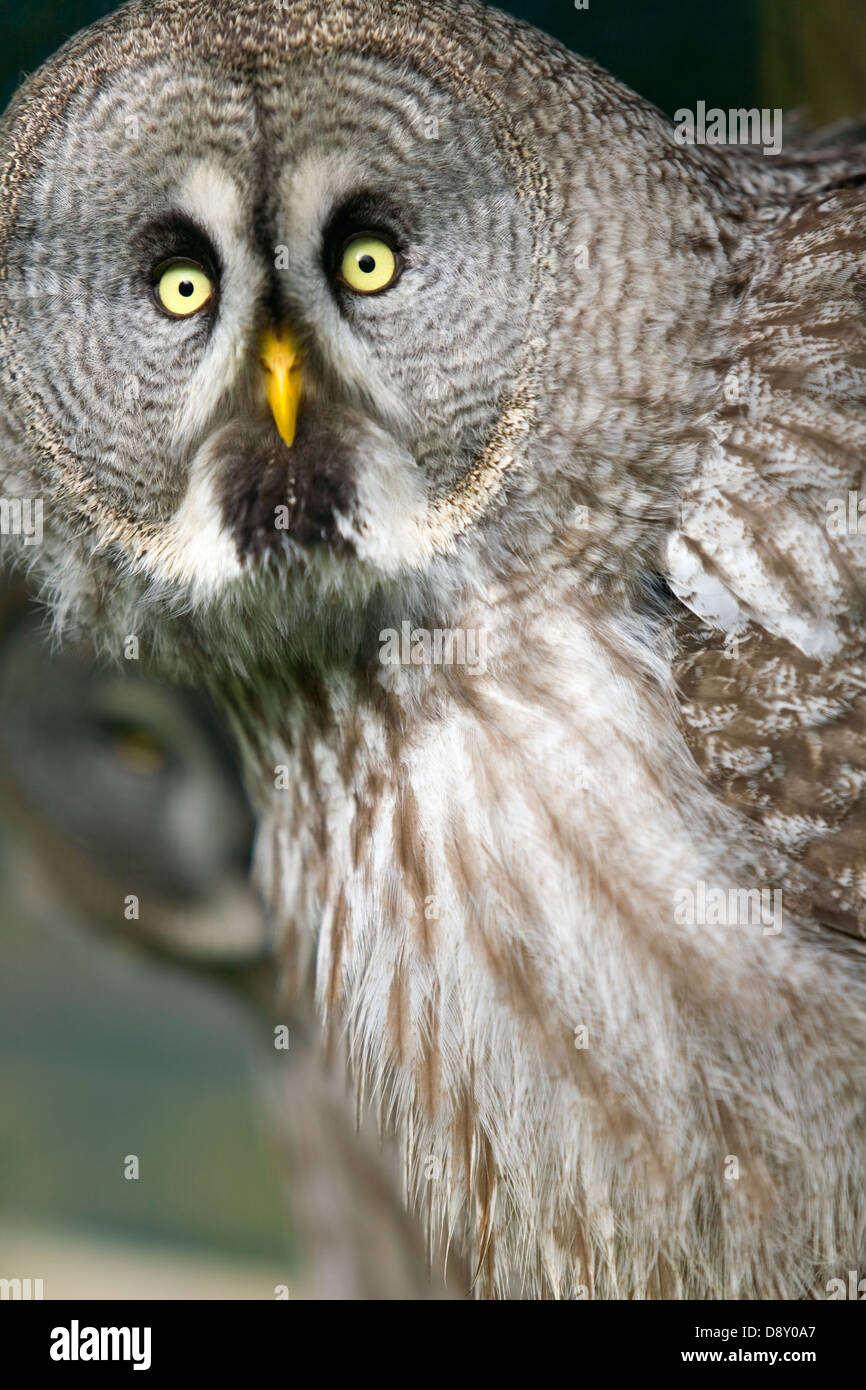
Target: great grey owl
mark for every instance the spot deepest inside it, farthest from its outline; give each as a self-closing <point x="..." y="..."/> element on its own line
<point x="494" y="458"/>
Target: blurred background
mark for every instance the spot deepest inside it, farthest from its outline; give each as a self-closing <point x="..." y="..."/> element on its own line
<point x="143" y="1033"/>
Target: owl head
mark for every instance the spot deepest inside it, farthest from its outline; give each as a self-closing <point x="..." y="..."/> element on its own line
<point x="309" y="308"/>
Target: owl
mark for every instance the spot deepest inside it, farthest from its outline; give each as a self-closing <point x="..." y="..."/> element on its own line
<point x="493" y="457"/>
<point x="147" y="797"/>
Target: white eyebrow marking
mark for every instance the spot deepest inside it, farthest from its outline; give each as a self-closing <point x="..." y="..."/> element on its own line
<point x="211" y="197"/>
<point x="308" y="191"/>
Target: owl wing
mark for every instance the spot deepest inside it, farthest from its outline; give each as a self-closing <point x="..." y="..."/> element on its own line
<point x="770" y="557"/>
<point x="781" y="737"/>
<point x="769" y="526"/>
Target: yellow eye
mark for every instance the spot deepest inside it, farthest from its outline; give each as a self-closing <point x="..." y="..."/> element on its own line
<point x="368" y="264"/>
<point x="183" y="288"/>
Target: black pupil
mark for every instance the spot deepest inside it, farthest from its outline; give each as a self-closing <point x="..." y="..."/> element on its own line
<point x="366" y="263"/>
<point x="186" y="288"/>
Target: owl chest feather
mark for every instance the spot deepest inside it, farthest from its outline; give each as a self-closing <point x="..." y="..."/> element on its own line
<point x="484" y="874"/>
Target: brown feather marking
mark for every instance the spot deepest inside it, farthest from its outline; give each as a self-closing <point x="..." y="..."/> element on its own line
<point x="486" y="1186"/>
<point x="412" y="858"/>
<point x="398" y="1021"/>
<point x="337" y="943"/>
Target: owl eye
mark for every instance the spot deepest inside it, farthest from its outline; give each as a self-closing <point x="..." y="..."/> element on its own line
<point x="137" y="749"/>
<point x="368" y="264"/>
<point x="182" y="288"/>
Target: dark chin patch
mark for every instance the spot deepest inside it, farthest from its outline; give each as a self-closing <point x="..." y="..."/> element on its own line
<point x="271" y="494"/>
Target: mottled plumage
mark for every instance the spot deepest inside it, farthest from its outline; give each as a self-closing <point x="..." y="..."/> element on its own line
<point x="598" y="416"/>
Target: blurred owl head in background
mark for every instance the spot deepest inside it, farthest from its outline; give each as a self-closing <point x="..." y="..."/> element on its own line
<point x="117" y="785"/>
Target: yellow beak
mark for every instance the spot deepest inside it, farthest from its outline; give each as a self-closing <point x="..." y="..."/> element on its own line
<point x="280" y="357"/>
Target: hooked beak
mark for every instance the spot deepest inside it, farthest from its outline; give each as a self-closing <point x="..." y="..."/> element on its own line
<point x="280" y="357"/>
